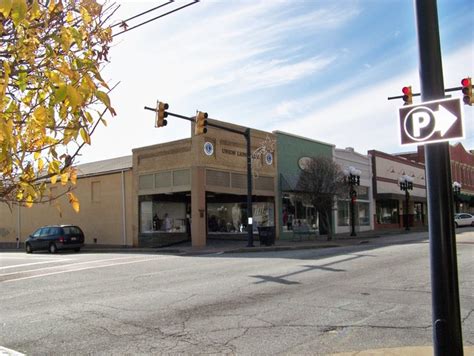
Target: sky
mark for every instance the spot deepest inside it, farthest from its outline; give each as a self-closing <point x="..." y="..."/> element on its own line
<point x="321" y="69"/>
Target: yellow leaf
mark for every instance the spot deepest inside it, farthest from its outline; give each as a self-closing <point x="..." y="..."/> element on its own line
<point x="85" y="136"/>
<point x="70" y="17"/>
<point x="103" y="97"/>
<point x="51" y="6"/>
<point x="5" y="7"/>
<point x="35" y="11"/>
<point x="85" y="16"/>
<point x="73" y="177"/>
<point x="74" y="96"/>
<point x="41" y="115"/>
<point x="74" y="202"/>
<point x="60" y="93"/>
<point x="40" y="164"/>
<point x="29" y="201"/>
<point x="19" y="10"/>
<point x="64" y="178"/>
<point x="54" y="179"/>
<point x="37" y="155"/>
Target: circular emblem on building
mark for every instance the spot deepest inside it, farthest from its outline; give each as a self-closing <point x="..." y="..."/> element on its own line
<point x="208" y="148"/>
<point x="269" y="158"/>
<point x="303" y="162"/>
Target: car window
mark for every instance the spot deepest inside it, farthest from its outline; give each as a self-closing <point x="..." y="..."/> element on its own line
<point x="55" y="231"/>
<point x="72" y="230"/>
<point x="45" y="231"/>
<point x="37" y="233"/>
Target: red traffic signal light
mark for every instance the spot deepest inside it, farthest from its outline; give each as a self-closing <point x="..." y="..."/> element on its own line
<point x="407" y="95"/>
<point x="467" y="91"/>
<point x="161" y="114"/>
<point x="201" y="123"/>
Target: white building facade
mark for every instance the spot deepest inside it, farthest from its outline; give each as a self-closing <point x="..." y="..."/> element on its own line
<point x="364" y="208"/>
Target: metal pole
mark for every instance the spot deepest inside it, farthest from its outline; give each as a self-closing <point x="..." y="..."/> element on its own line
<point x="447" y="334"/>
<point x="18" y="230"/>
<point x="249" y="191"/>
<point x="407" y="196"/>
<point x="353" y="233"/>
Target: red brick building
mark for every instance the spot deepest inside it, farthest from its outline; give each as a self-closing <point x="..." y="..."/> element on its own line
<point x="462" y="171"/>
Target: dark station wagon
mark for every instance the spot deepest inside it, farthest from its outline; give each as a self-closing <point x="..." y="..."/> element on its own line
<point x="54" y="238"/>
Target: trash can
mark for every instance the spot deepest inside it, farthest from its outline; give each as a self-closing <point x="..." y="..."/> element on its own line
<point x="266" y="235"/>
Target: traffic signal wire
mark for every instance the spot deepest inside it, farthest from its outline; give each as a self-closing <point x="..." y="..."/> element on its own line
<point x="141" y="14"/>
<point x="156" y="18"/>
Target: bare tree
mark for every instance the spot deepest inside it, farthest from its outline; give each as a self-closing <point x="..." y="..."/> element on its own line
<point x="320" y="182"/>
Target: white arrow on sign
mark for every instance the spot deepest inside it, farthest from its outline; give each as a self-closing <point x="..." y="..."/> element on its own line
<point x="444" y="120"/>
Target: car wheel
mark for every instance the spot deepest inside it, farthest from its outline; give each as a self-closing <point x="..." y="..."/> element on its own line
<point x="77" y="249"/>
<point x="456" y="225"/>
<point x="28" y="248"/>
<point x="53" y="248"/>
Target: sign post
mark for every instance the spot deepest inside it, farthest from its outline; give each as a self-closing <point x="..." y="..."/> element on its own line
<point x="447" y="334"/>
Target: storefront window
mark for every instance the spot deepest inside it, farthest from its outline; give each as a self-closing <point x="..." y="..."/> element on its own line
<point x="343" y="213"/>
<point x="387" y="212"/>
<point x="362" y="193"/>
<point x="295" y="212"/>
<point x="228" y="213"/>
<point x="363" y="212"/>
<point x="164" y="214"/>
<point x="418" y="212"/>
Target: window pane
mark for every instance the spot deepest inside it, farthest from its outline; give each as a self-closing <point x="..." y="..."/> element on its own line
<point x="387" y="212"/>
<point x="343" y="217"/>
<point x="364" y="213"/>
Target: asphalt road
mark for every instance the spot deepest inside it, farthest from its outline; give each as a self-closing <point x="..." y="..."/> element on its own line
<point x="308" y="301"/>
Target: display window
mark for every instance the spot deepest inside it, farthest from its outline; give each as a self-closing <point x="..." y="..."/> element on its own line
<point x="296" y="213"/>
<point x="228" y="213"/>
<point x="387" y="211"/>
<point x="164" y="213"/>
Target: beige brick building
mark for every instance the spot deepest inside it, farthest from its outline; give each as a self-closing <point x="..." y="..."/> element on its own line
<point x="162" y="194"/>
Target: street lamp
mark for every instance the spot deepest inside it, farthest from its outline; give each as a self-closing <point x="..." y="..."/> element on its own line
<point x="457" y="192"/>
<point x="406" y="184"/>
<point x="352" y="178"/>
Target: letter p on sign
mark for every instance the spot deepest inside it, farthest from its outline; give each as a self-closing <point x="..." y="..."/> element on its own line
<point x="420" y="121"/>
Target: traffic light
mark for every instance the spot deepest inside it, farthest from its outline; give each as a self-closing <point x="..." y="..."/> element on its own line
<point x="407" y="95"/>
<point x="201" y="123"/>
<point x="467" y="91"/>
<point x="161" y="114"/>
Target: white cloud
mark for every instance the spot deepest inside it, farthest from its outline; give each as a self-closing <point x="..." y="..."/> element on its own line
<point x="211" y="54"/>
<point x="367" y="120"/>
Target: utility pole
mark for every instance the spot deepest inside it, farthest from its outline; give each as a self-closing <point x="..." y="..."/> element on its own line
<point x="447" y="334"/>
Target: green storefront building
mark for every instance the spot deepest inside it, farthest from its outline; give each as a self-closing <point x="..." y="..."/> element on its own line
<point x="292" y="152"/>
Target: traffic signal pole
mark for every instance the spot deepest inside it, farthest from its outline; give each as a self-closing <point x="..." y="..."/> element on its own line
<point x="447" y="334"/>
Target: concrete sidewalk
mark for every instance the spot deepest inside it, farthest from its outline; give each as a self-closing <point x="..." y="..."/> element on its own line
<point x="220" y="246"/>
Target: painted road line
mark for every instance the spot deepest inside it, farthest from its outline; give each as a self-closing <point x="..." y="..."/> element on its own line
<point x="9" y="352"/>
<point x="36" y="263"/>
<point x="78" y="269"/>
<point x="66" y="265"/>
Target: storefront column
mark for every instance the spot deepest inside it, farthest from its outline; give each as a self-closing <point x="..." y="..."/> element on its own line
<point x="198" y="207"/>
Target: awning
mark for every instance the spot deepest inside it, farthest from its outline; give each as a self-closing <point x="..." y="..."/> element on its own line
<point x="393" y="196"/>
<point x="289" y="182"/>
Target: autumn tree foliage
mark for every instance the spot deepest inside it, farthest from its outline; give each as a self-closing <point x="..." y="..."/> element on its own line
<point x="320" y="183"/>
<point x="52" y="95"/>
